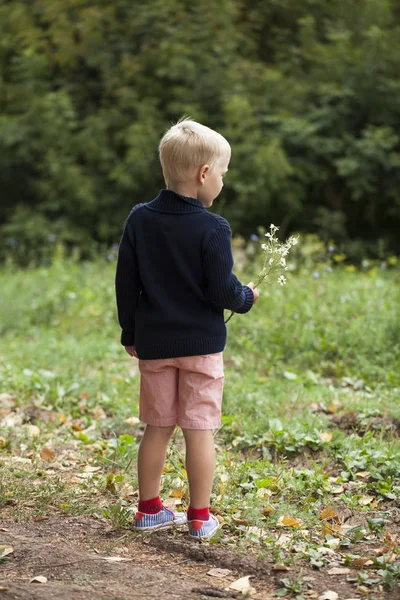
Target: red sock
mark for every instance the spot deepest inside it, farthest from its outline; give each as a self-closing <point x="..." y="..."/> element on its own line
<point x="150" y="507"/>
<point x="198" y="514"/>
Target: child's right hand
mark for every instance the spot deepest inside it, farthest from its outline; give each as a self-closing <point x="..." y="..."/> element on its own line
<point x="254" y="290"/>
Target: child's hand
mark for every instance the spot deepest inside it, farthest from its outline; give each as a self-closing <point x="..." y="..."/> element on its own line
<point x="255" y="291"/>
<point x="131" y="350"/>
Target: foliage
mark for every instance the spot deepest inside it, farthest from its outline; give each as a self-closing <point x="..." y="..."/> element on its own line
<point x="307" y="93"/>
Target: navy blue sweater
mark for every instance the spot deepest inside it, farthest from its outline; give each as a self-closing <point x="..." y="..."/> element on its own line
<point x="174" y="278"/>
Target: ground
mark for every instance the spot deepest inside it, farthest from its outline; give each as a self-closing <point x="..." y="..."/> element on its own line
<point x="70" y="552"/>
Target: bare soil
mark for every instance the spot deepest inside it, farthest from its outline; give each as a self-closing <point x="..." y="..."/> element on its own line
<point x="70" y="551"/>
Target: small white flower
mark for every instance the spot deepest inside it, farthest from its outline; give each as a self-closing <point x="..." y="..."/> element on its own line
<point x="269" y="236"/>
<point x="263" y="246"/>
<point x="281" y="280"/>
<point x="294" y="240"/>
<point x="282" y="262"/>
<point x="273" y="228"/>
<point x="271" y="260"/>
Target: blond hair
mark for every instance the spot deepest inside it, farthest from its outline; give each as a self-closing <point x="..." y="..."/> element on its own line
<point x="189" y="144"/>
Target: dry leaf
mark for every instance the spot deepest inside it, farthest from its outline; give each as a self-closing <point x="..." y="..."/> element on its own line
<point x="177" y="493"/>
<point x="338" y="571"/>
<point x="359" y="563"/>
<point x="328" y="595"/>
<point x="267" y="510"/>
<point x="364" y="500"/>
<point x="326" y="436"/>
<point x="333" y="543"/>
<point x="38" y="579"/>
<point x="329" y="514"/>
<point x="132" y="421"/>
<point x="242" y="585"/>
<point x="363" y="474"/>
<point x="32" y="430"/>
<point x="289" y="521"/>
<point x="219" y="573"/>
<point x="5" y="551"/>
<point x="280" y="568"/>
<point x="336" y="489"/>
<point x="40" y="518"/>
<point x="91" y="469"/>
<point x="3" y="588"/>
<point x="47" y="454"/>
<point x="116" y="559"/>
<point x="284" y="540"/>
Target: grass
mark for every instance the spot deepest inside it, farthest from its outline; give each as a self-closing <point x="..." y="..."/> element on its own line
<point x="311" y="411"/>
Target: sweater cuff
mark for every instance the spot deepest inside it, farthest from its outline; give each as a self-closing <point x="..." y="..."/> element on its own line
<point x="128" y="338"/>
<point x="249" y="300"/>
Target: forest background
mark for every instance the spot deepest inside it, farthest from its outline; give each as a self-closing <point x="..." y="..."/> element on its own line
<point x="306" y="91"/>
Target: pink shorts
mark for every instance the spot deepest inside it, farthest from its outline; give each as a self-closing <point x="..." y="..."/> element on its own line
<point x="185" y="391"/>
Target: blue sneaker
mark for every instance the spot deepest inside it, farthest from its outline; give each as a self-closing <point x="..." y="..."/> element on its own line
<point x="164" y="519"/>
<point x="203" y="530"/>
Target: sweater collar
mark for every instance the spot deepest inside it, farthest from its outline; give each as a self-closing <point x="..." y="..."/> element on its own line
<point x="171" y="202"/>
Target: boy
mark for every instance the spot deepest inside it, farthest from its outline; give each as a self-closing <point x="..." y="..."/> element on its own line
<point x="174" y="278"/>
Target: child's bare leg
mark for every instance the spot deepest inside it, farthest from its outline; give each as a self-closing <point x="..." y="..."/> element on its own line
<point x="200" y="465"/>
<point x="151" y="460"/>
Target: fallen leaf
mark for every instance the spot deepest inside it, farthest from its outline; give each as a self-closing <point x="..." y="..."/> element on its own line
<point x="116" y="559"/>
<point x="280" y="568"/>
<point x="363" y="474"/>
<point x="177" y="493"/>
<point x="289" y="521"/>
<point x="47" y="454"/>
<point x="32" y="430"/>
<point x="241" y="585"/>
<point x="328" y="595"/>
<point x="333" y="543"/>
<point x="38" y="579"/>
<point x="338" y="571"/>
<point x="267" y="510"/>
<point x="77" y="427"/>
<point x="40" y="518"/>
<point x="219" y="573"/>
<point x="3" y="588"/>
<point x="364" y="590"/>
<point x="326" y="436"/>
<point x="284" y="540"/>
<point x="329" y="514"/>
<point x="91" y="469"/>
<point x="337" y="489"/>
<point x="5" y="551"/>
<point x="132" y="421"/>
<point x="359" y="563"/>
<point x="364" y="500"/>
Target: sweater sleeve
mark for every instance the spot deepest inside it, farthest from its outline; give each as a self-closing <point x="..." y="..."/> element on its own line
<point x="224" y="290"/>
<point x="127" y="286"/>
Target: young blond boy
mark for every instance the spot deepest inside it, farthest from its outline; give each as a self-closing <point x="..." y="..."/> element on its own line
<point x="174" y="279"/>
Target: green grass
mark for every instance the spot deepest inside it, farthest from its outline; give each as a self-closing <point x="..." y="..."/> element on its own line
<point x="307" y="358"/>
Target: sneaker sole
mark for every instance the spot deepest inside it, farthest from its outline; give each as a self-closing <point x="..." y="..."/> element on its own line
<point x="208" y="536"/>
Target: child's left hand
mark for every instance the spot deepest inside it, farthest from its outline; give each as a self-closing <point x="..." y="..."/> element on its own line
<point x="131" y="350"/>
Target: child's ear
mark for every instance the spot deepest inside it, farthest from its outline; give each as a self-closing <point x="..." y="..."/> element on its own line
<point x="203" y="172"/>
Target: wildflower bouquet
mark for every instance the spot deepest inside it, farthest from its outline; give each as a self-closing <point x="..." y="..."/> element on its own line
<point x="274" y="264"/>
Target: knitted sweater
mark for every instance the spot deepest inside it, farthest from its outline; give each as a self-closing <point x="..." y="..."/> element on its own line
<point x="174" y="278"/>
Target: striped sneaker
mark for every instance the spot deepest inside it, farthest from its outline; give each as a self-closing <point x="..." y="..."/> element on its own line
<point x="203" y="530"/>
<point x="164" y="519"/>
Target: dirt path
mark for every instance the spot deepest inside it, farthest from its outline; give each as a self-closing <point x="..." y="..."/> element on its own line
<point x="70" y="553"/>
